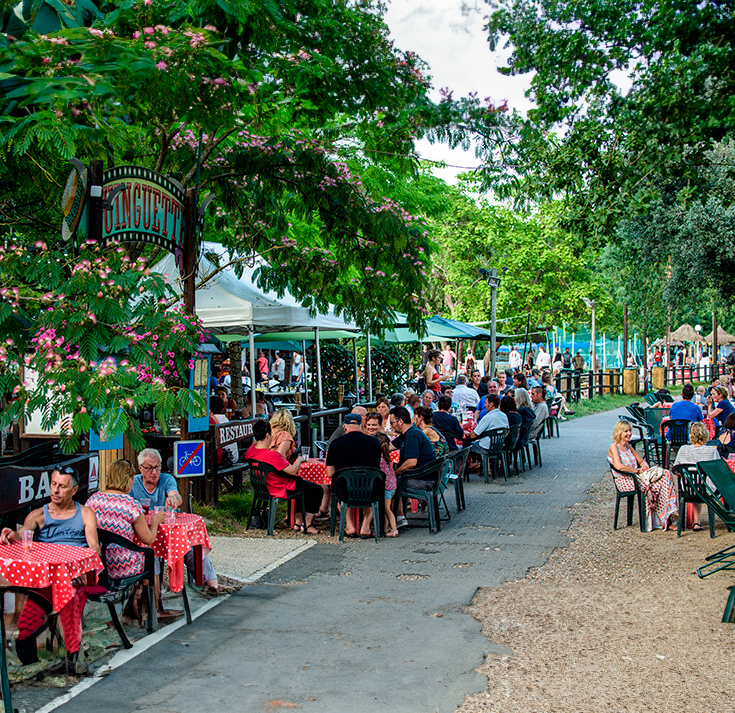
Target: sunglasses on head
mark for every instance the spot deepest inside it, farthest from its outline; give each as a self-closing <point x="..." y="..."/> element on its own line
<point x="64" y="470"/>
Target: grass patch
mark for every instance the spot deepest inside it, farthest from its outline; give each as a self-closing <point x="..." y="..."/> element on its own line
<point x="608" y="402"/>
<point x="230" y="517"/>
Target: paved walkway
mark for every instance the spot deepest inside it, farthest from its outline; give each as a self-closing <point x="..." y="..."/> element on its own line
<point x="363" y="626"/>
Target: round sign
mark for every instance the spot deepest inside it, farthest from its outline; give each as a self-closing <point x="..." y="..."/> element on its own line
<point x="72" y="203"/>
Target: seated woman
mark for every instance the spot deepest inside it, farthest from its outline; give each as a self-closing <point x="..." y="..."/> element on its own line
<point x="627" y="466"/>
<point x="524" y="405"/>
<point x="509" y="408"/>
<point x="382" y="406"/>
<point x="552" y="392"/>
<point x="261" y="408"/>
<point x="228" y="401"/>
<point x="720" y="408"/>
<point x="278" y="485"/>
<point x="694" y="453"/>
<point x="423" y="419"/>
<point x="122" y="514"/>
<point x="373" y="422"/>
<point x="283" y="430"/>
<point x="727" y="437"/>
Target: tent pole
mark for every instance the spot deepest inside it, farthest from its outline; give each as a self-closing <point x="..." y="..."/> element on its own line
<point x="368" y="368"/>
<point x="319" y="392"/>
<point x="306" y="386"/>
<point x="251" y="357"/>
<point x="357" y="371"/>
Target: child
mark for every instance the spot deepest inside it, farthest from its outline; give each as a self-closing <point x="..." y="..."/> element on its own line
<point x="390" y="485"/>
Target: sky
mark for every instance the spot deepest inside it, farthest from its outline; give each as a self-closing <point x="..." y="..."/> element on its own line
<point x="448" y="35"/>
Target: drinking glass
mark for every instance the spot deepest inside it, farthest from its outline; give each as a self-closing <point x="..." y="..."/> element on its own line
<point x="170" y="515"/>
<point x="305" y="452"/>
<point x="26" y="537"/>
<point x="146" y="503"/>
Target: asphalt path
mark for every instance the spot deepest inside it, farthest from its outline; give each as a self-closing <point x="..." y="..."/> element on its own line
<point x="368" y="627"/>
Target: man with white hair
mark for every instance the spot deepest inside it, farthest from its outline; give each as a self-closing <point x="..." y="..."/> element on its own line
<point x="464" y="395"/>
<point x="161" y="489"/>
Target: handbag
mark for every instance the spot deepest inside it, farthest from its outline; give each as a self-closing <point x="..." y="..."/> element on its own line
<point x="650" y="476"/>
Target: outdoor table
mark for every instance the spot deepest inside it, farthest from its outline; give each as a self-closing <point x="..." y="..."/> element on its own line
<point x="174" y="540"/>
<point x="45" y="565"/>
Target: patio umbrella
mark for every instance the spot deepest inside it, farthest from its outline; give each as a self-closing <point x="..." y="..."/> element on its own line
<point x="722" y="337"/>
<point x="686" y="333"/>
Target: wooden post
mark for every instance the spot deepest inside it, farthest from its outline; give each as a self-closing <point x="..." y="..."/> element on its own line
<point x="234" y="351"/>
<point x="189" y="269"/>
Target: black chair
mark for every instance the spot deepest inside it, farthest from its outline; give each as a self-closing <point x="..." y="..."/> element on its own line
<point x="493" y="454"/>
<point x="511" y="441"/>
<point x="535" y="444"/>
<point x="436" y="473"/>
<point x="629" y="496"/>
<point x="674" y="435"/>
<point x="119" y="589"/>
<point x="522" y="448"/>
<point x="687" y="494"/>
<point x="552" y="420"/>
<point x="459" y="460"/>
<point x="645" y="435"/>
<point x="362" y="491"/>
<point x="259" y="472"/>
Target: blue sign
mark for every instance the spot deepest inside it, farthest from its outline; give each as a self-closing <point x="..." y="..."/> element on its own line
<point x="101" y="443"/>
<point x="199" y="381"/>
<point x="189" y="459"/>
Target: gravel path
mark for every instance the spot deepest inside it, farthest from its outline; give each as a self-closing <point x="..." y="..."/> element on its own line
<point x="618" y="621"/>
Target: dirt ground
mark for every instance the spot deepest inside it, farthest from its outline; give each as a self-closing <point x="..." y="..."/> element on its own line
<point x="616" y="621"/>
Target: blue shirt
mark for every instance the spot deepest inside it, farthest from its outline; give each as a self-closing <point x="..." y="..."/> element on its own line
<point x="686" y="409"/>
<point x="727" y="409"/>
<point x="63" y="532"/>
<point x="166" y="483"/>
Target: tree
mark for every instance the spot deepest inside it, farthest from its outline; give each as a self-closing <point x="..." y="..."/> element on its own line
<point x="545" y="270"/>
<point x="625" y="94"/>
<point x="253" y="102"/>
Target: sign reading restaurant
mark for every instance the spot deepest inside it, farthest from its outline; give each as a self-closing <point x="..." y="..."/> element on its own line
<point x="149" y="209"/>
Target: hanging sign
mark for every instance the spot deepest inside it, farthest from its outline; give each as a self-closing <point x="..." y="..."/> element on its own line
<point x="149" y="209"/>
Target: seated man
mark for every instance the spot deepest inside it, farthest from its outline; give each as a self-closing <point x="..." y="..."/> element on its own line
<point x="416" y="451"/>
<point x="464" y="395"/>
<point x="61" y="522"/>
<point x="280" y="486"/>
<point x="353" y="450"/>
<point x="447" y="422"/>
<point x="161" y="489"/>
<point x="494" y="418"/>
<point x="538" y="397"/>
<point x="340" y="430"/>
<point x="685" y="408"/>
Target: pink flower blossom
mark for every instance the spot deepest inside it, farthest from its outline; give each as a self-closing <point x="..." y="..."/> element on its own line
<point x="148" y="31"/>
<point x="160" y="66"/>
<point x="136" y="35"/>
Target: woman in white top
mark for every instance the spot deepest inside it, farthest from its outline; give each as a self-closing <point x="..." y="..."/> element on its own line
<point x="694" y="452"/>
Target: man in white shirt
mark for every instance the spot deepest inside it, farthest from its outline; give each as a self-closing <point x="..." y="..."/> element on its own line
<point x="543" y="360"/>
<point x="279" y="368"/>
<point x="514" y="359"/>
<point x="494" y="418"/>
<point x="463" y="394"/>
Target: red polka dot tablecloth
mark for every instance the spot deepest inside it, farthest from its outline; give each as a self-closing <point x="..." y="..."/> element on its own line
<point x="315" y="471"/>
<point x="173" y="541"/>
<point x="394" y="457"/>
<point x="468" y="426"/>
<point x="48" y="565"/>
<point x="710" y="424"/>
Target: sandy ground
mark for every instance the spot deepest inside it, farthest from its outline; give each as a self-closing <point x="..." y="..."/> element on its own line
<point x="616" y="621"/>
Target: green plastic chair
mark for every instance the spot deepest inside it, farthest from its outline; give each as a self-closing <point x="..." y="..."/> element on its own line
<point x="362" y="492"/>
<point x="259" y="471"/>
<point x="438" y="473"/>
<point x="687" y="494"/>
<point x="494" y="454"/>
<point x="458" y="460"/>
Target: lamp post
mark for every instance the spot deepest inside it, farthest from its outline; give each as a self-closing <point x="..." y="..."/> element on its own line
<point x="493" y="281"/>
<point x="591" y="304"/>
